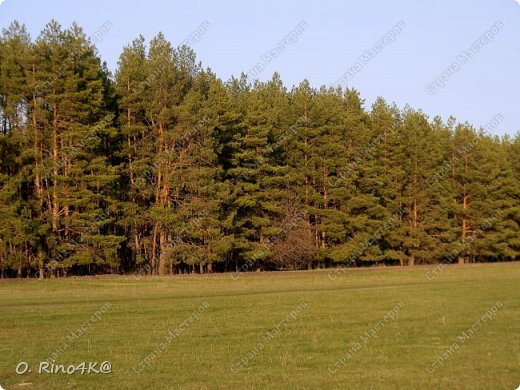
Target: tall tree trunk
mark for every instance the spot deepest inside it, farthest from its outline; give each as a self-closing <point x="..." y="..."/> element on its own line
<point x="462" y="258"/>
<point x="309" y="225"/>
<point x="129" y="123"/>
<point x="465" y="229"/>
<point x="154" y="247"/>
<point x="37" y="152"/>
<point x="162" y="255"/>
<point x="325" y="203"/>
<point x="55" y="200"/>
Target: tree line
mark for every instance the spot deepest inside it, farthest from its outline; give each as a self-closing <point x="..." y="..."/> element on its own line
<point x="164" y="168"/>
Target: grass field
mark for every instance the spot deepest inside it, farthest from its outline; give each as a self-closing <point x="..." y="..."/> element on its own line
<point x="385" y="328"/>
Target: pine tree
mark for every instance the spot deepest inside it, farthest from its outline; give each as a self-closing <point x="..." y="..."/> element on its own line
<point x="416" y="134"/>
<point x="257" y="183"/>
<point x="300" y="153"/>
<point x="358" y="185"/>
<point x="71" y="105"/>
<point x="169" y="169"/>
<point x="22" y="233"/>
<point x="136" y="149"/>
<point x="492" y="204"/>
<point x="386" y="149"/>
<point x="196" y="229"/>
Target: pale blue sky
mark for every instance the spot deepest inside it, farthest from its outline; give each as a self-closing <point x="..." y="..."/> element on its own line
<point x="336" y="34"/>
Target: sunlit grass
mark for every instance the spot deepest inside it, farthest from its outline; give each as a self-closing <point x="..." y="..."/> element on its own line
<point x="37" y="316"/>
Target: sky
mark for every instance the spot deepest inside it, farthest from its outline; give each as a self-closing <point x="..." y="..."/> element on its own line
<point x="457" y="58"/>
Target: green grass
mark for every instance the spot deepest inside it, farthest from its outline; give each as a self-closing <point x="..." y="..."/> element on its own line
<point x="36" y="316"/>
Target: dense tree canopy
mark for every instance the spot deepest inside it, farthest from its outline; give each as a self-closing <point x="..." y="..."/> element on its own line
<point x="164" y="168"/>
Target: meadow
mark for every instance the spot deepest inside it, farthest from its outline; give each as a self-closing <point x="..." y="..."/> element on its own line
<point x="378" y="328"/>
